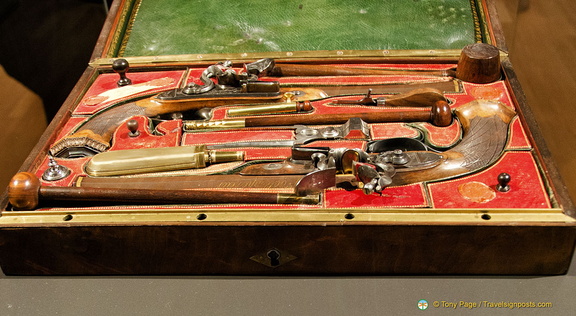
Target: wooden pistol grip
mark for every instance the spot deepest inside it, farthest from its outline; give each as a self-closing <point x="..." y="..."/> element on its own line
<point x="485" y="127"/>
<point x="94" y="136"/>
<point x="96" y="133"/>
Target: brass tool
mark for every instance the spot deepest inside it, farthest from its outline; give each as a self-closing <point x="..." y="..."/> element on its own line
<point x="288" y="106"/>
<point x="133" y="161"/>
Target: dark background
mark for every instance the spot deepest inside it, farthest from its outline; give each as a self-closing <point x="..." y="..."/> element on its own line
<point x="47" y="44"/>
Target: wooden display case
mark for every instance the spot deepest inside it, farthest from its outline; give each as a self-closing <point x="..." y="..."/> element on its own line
<point x="463" y="220"/>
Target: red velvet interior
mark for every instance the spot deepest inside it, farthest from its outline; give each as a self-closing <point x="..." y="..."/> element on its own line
<point x="528" y="190"/>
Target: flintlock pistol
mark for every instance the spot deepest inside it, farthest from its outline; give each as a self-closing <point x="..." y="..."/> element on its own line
<point x="479" y="63"/>
<point x="485" y="126"/>
<point x="231" y="88"/>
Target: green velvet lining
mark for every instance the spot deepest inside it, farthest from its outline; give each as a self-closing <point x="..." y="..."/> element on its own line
<point x="172" y="27"/>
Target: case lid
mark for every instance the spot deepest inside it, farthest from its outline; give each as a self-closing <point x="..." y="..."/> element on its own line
<point x="209" y="29"/>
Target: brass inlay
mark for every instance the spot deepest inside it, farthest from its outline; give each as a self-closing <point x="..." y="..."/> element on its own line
<point x="195" y="125"/>
<point x="302" y="214"/>
<point x="295" y="199"/>
<point x="126" y="34"/>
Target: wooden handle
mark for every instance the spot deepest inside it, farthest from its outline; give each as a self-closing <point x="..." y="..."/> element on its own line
<point x="26" y="193"/>
<point x="422" y="97"/>
<point x="295" y="70"/>
<point x="439" y="115"/>
<point x="478" y="63"/>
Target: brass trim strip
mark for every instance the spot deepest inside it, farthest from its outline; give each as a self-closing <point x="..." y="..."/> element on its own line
<point x="300" y="216"/>
<point x="119" y="52"/>
<point x="119" y="33"/>
<point x="484" y="31"/>
<point x="435" y="55"/>
<point x="478" y="35"/>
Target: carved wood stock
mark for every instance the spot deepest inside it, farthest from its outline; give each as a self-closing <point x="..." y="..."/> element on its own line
<point x="485" y="127"/>
<point x="94" y="136"/>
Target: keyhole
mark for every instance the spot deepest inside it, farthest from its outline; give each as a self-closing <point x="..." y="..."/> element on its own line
<point x="274" y="256"/>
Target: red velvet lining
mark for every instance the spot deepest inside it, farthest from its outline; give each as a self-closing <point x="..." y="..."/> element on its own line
<point x="404" y="196"/>
<point x="171" y="135"/>
<point x="140" y="81"/>
<point x="518" y="138"/>
<point x="527" y="187"/>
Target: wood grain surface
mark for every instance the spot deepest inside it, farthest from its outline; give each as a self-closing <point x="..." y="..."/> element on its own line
<point x="541" y="37"/>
